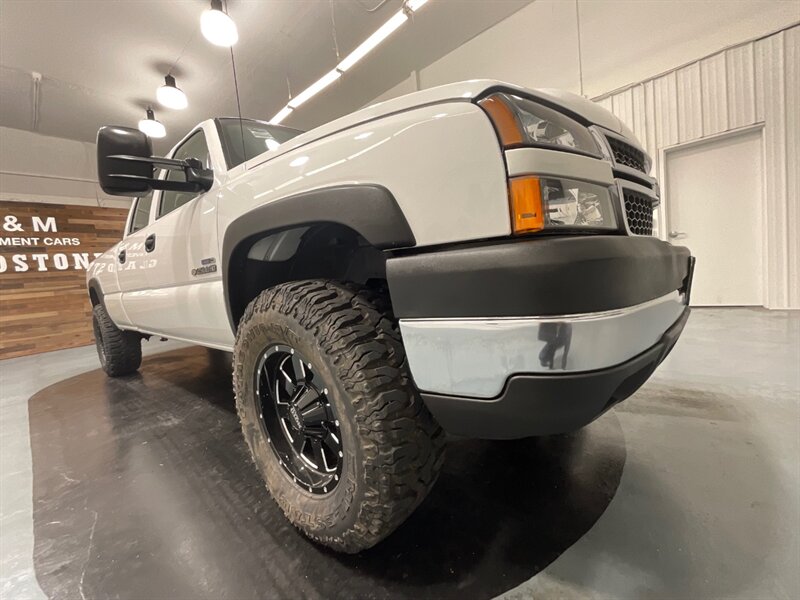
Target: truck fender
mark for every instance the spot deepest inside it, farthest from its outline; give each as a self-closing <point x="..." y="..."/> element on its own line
<point x="95" y="292"/>
<point x="370" y="210"/>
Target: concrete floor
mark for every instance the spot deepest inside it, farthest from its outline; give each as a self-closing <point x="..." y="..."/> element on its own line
<point x="21" y="378"/>
<point x="689" y="489"/>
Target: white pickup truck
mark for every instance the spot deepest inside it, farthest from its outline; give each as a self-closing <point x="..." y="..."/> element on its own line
<point x="476" y="258"/>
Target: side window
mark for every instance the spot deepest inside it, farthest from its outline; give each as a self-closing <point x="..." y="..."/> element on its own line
<point x="141" y="213"/>
<point x="194" y="147"/>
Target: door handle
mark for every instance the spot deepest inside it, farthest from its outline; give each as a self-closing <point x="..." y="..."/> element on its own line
<point x="150" y="242"/>
<point x="677" y="234"/>
<point x="121" y="256"/>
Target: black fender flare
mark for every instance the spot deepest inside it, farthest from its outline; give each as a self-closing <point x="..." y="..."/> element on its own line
<point x="370" y="210"/>
<point x="94" y="285"/>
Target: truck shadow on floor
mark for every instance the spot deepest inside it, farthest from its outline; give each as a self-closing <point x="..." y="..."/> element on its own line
<point x="143" y="487"/>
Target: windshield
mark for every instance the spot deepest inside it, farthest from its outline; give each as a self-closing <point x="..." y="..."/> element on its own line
<point x="258" y="138"/>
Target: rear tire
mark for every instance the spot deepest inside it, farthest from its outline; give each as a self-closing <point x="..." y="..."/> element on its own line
<point x="347" y="350"/>
<point x="120" y="352"/>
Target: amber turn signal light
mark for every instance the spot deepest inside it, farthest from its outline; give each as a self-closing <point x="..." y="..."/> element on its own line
<point x="504" y="119"/>
<point x="525" y="201"/>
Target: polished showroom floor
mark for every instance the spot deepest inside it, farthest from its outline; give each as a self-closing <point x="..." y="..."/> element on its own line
<point x="142" y="488"/>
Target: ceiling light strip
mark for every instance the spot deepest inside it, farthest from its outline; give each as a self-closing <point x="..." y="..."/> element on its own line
<point x="383" y="32"/>
<point x="372" y="41"/>
<point x="315" y="88"/>
<point x="284" y="112"/>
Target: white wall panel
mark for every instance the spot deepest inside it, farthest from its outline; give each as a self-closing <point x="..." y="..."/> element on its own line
<point x="651" y="145"/>
<point x="622" y="104"/>
<point x="690" y="105"/>
<point x="752" y="83"/>
<point x="792" y="70"/>
<point x="713" y="88"/>
<point x="741" y="94"/>
<point x="771" y="108"/>
<point x="666" y="110"/>
<point x="639" y="121"/>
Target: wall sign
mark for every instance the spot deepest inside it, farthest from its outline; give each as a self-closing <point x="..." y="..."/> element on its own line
<point x="45" y="250"/>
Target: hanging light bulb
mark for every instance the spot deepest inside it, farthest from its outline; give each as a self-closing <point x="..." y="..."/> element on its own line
<point x="170" y="95"/>
<point x="150" y="127"/>
<point x="217" y="27"/>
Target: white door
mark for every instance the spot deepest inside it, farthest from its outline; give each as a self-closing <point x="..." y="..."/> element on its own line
<point x="184" y="297"/>
<point x="714" y="200"/>
<point x="132" y="261"/>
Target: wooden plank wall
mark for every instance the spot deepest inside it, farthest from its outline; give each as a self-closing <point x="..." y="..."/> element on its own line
<point x="44" y="304"/>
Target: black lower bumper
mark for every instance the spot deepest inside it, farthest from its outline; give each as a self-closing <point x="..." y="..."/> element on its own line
<point x="533" y="405"/>
<point x="536" y="276"/>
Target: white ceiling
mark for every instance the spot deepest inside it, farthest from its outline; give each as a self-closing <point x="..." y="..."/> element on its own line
<point x="101" y="61"/>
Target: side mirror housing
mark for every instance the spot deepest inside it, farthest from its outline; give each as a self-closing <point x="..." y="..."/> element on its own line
<point x="126" y="167"/>
<point x="120" y="178"/>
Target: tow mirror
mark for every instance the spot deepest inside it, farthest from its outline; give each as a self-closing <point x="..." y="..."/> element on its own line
<point x="126" y="167"/>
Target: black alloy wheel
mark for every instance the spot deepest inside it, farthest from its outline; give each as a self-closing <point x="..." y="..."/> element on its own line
<point x="98" y="341"/>
<point x="299" y="421"/>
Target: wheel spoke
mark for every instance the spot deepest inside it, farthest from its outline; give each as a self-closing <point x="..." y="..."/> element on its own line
<point x="319" y="455"/>
<point x="288" y="384"/>
<point x="299" y="370"/>
<point x="332" y="442"/>
<point x="314" y="415"/>
<point x="263" y="382"/>
<point x="283" y="412"/>
<point x="306" y="398"/>
<point x="299" y="442"/>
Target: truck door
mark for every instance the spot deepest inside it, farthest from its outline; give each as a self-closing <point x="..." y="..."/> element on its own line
<point x="131" y="263"/>
<point x="185" y="298"/>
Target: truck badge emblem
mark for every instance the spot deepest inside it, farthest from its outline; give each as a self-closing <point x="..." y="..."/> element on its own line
<point x="208" y="266"/>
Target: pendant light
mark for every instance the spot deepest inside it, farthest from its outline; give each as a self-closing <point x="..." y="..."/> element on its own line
<point x="217" y="27"/>
<point x="170" y="95"/>
<point x="150" y="127"/>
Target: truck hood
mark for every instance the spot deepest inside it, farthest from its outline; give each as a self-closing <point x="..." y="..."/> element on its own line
<point x="461" y="91"/>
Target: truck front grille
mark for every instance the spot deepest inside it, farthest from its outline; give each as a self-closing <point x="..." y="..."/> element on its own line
<point x="639" y="212"/>
<point x="625" y="154"/>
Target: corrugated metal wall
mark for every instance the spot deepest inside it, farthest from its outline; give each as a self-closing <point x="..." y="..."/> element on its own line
<point x="757" y="82"/>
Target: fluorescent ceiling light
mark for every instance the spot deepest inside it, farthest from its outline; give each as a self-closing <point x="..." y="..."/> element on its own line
<point x="351" y="59"/>
<point x="284" y="112"/>
<point x="376" y="38"/>
<point x="314" y="88"/>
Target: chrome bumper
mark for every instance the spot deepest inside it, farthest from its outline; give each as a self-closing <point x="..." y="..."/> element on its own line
<point x="474" y="357"/>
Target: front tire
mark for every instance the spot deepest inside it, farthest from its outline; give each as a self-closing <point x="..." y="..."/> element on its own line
<point x="345" y="445"/>
<point x="120" y="352"/>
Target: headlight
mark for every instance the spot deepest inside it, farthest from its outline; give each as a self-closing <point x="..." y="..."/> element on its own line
<point x="569" y="203"/>
<point x="521" y="122"/>
<point x="540" y="203"/>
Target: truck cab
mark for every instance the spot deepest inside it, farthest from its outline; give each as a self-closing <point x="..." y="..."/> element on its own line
<point x="168" y="259"/>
